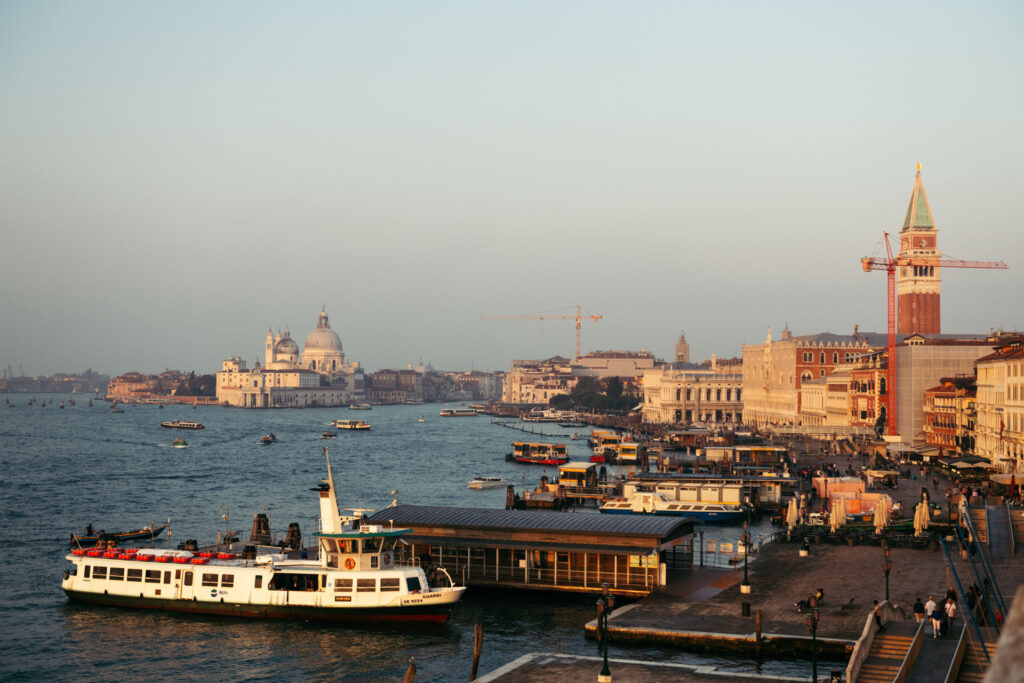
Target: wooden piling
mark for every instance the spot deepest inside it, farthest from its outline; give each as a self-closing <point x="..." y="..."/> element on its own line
<point x="757" y="632"/>
<point x="478" y="644"/>
<point x="410" y="673"/>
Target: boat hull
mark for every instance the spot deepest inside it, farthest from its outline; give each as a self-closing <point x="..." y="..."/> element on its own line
<point x="139" y="535"/>
<point x="545" y="461"/>
<point x="425" y="614"/>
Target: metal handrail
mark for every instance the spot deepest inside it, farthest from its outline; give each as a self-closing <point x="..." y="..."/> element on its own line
<point x="956" y="577"/>
<point x="990" y="616"/>
<point x="911" y="656"/>
<point x="1009" y="522"/>
<point x="996" y="594"/>
<point x="958" y="656"/>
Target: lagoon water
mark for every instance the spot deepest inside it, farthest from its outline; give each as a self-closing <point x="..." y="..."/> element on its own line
<point x="61" y="469"/>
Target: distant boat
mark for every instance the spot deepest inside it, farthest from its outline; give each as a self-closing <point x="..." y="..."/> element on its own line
<point x="144" y="533"/>
<point x="329" y="435"/>
<point x="181" y="424"/>
<point x="355" y="425"/>
<point x="268" y="439"/>
<point x="487" y="483"/>
<point x="180" y="443"/>
<point x="421" y="419"/>
<point x="360" y="406"/>
<point x="459" y="412"/>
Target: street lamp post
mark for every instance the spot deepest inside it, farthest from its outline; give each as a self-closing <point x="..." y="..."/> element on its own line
<point x="886" y="567"/>
<point x="812" y="626"/>
<point x="745" y="586"/>
<point x="605" y="605"/>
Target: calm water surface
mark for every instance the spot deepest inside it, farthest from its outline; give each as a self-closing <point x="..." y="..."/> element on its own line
<point x="61" y="469"/>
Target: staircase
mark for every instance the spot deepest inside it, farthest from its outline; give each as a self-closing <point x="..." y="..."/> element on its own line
<point x="885" y="658"/>
<point x="974" y="666"/>
<point x="1017" y="522"/>
<point x="979" y="516"/>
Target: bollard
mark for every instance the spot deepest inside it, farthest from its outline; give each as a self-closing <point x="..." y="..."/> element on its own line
<point x="746" y="609"/>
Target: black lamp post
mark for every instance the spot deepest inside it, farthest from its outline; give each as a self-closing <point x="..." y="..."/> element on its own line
<point x="605" y="605"/>
<point x="886" y="567"/>
<point x="812" y="626"/>
<point x="745" y="586"/>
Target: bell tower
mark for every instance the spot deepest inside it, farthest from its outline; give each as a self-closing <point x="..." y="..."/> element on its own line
<point x="918" y="287"/>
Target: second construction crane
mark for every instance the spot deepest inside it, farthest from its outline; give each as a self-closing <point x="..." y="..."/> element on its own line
<point x="579" y="317"/>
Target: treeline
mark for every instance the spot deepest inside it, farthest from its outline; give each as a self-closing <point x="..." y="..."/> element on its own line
<point x="593" y="394"/>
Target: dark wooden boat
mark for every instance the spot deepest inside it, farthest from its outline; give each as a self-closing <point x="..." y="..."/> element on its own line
<point x="144" y="534"/>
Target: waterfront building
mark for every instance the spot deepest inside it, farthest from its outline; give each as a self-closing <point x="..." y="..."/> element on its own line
<point x="1000" y="405"/>
<point x="320" y="376"/>
<point x="626" y="365"/>
<point x="537" y="381"/>
<point x="774" y="372"/>
<point x="949" y="411"/>
<point x="395" y="386"/>
<point x="918" y="287"/>
<point x="712" y="396"/>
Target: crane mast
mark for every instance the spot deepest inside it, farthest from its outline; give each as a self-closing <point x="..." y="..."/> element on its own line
<point x="579" y="317"/>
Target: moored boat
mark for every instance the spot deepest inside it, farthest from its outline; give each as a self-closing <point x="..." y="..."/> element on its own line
<point x="487" y="483"/>
<point x="354" y="577"/>
<point x="530" y="453"/>
<point x="181" y="424"/>
<point x="653" y="503"/>
<point x="360" y="406"/>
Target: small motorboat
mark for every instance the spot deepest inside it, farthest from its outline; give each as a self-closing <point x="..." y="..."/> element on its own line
<point x="91" y="538"/>
<point x="421" y="419"/>
<point x="180" y="443"/>
<point x="354" y="425"/>
<point x="577" y="436"/>
<point x="329" y="435"/>
<point x="487" y="483"/>
<point x="268" y="439"/>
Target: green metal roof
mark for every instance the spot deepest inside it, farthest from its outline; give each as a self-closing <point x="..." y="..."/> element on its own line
<point x="919" y="212"/>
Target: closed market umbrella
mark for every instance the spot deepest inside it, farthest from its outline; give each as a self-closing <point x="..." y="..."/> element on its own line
<point x="881" y="514"/>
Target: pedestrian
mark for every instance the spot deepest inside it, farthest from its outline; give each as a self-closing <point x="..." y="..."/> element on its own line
<point x="877" y="613"/>
<point x="951" y="595"/>
<point x="931" y="609"/>
<point x="951" y="611"/>
<point x="919" y="611"/>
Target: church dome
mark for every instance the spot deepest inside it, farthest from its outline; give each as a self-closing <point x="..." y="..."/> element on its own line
<point x="323" y="338"/>
<point x="286" y="346"/>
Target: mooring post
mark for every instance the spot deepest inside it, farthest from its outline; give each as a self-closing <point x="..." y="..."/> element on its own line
<point x="410" y="673"/>
<point x="478" y="644"/>
<point x="759" y="621"/>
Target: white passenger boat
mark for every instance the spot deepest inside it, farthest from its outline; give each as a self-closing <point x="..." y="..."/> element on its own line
<point x="354" y="579"/>
<point x="487" y="483"/>
<point x="357" y="425"/>
<point x="652" y="503"/>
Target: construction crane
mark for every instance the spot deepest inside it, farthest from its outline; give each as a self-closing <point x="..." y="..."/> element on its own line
<point x="579" y="317"/>
<point x="889" y="264"/>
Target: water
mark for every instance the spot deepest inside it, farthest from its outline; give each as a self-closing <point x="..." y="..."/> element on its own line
<point x="61" y="469"/>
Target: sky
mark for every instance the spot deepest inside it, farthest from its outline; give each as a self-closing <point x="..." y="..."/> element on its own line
<point x="176" y="178"/>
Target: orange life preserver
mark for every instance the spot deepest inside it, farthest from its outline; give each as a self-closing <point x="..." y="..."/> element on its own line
<point x="350" y="563"/>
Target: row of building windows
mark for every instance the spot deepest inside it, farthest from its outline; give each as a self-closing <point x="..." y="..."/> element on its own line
<point x="808" y="357"/>
<point x="707" y="394"/>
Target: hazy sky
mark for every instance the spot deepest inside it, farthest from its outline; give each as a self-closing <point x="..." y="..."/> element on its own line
<point x="176" y="178"/>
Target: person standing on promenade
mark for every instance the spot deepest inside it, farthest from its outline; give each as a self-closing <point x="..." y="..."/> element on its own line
<point x="919" y="611"/>
<point x="877" y="613"/>
<point x="951" y="613"/>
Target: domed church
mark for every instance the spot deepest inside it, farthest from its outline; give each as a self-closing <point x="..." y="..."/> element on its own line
<point x="319" y="377"/>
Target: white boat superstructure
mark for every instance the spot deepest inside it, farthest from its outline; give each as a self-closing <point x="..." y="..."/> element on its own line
<point x="353" y="578"/>
<point x="487" y="483"/>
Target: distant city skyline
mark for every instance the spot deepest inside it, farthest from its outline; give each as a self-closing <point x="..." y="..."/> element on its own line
<point x="177" y="179"/>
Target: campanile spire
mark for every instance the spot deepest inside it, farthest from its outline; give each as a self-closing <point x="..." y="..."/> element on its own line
<point x="918" y="286"/>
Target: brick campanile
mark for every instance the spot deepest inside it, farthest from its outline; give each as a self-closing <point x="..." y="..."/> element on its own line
<point x="918" y="287"/>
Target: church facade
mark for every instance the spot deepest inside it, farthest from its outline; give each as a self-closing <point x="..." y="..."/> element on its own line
<point x="319" y="376"/>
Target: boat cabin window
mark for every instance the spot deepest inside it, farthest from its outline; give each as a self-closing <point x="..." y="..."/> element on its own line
<point x="389" y="585"/>
<point x="366" y="586"/>
<point x="135" y="575"/>
<point x="227" y="581"/>
<point x="167" y="577"/>
<point x="258" y="582"/>
<point x="343" y="585"/>
<point x="188" y="578"/>
<point x="413" y="584"/>
<point x="209" y="579"/>
<point x="293" y="582"/>
<point x="88" y="568"/>
<point x="152" y="576"/>
<point x="99" y="573"/>
<point x="117" y="573"/>
<point x="371" y="545"/>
